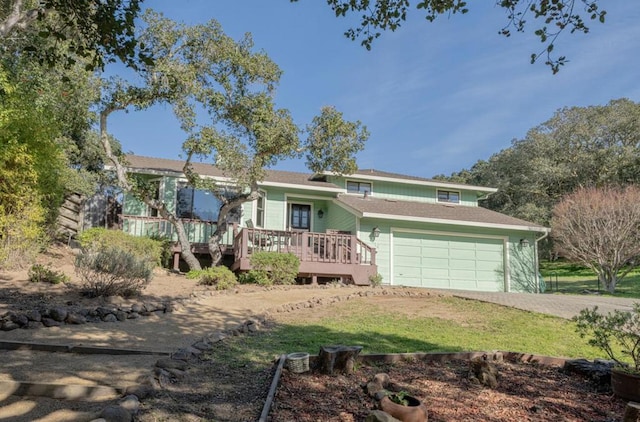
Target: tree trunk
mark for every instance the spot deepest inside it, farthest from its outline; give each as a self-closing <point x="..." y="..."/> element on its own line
<point x="121" y="174"/>
<point x="214" y="244"/>
<point x="337" y="358"/>
<point x="183" y="240"/>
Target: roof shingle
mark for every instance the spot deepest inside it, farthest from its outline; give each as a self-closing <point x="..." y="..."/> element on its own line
<point x="423" y="210"/>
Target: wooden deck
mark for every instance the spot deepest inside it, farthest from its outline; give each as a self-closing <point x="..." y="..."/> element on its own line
<point x="320" y="254"/>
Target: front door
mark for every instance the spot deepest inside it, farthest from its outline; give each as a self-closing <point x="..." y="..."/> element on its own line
<point x="300" y="217"/>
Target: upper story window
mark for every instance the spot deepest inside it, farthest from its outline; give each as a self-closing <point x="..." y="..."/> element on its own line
<point x="358" y="187"/>
<point x="449" y="196"/>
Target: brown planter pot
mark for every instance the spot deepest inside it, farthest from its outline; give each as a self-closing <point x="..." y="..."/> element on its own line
<point x="414" y="411"/>
<point x="625" y="385"/>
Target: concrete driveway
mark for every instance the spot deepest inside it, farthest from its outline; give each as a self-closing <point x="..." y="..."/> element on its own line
<point x="564" y="306"/>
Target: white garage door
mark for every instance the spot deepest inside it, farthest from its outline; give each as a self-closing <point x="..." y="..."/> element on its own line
<point x="448" y="262"/>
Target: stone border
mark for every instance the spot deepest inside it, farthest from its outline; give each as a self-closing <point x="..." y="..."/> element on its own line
<point x="59" y="315"/>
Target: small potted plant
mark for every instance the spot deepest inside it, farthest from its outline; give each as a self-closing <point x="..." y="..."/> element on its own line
<point x="617" y="334"/>
<point x="404" y="407"/>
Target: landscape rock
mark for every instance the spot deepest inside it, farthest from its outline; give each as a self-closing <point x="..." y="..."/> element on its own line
<point x="140" y="391"/>
<point x="74" y="318"/>
<point x="103" y="311"/>
<point x="48" y="322"/>
<point x="9" y="326"/>
<point x="131" y="404"/>
<point x="58" y="314"/>
<point x="204" y="346"/>
<point x="109" y="318"/>
<point x="34" y="315"/>
<point x="20" y="319"/>
<point x="115" y="413"/>
<point x="598" y="371"/>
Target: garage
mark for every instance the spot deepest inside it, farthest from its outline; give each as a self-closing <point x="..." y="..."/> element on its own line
<point x="448" y="261"/>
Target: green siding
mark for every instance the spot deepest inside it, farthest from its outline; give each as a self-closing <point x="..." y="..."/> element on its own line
<point x="409" y="192"/>
<point x="340" y="219"/>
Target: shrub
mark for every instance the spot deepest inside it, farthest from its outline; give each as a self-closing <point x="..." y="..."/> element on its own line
<point x="221" y="277"/>
<point x="281" y="268"/>
<point x="375" y="280"/>
<point x="112" y="272"/>
<point x="617" y="334"/>
<point x="144" y="248"/>
<point x="255" y="277"/>
<point x="42" y="274"/>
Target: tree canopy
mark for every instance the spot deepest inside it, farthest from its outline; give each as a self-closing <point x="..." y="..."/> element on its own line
<point x="578" y="146"/>
<point x="551" y="18"/>
<point x="98" y="31"/>
<point x="222" y="93"/>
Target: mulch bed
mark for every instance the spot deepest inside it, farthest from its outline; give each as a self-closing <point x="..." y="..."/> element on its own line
<point x="525" y="392"/>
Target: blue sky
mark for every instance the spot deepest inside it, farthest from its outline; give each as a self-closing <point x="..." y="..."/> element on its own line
<point x="436" y="97"/>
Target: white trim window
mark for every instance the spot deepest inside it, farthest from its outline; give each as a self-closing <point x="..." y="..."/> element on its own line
<point x="358" y="187"/>
<point x="157" y="195"/>
<point x="261" y="206"/>
<point x="449" y="196"/>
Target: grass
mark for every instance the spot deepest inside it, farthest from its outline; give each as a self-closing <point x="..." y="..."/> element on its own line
<point x="565" y="277"/>
<point x="475" y="326"/>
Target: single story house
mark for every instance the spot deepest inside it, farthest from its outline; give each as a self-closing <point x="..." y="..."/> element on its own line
<point x="411" y="231"/>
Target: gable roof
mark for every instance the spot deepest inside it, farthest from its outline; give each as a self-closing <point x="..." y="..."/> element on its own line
<point x="433" y="213"/>
<point x="273" y="177"/>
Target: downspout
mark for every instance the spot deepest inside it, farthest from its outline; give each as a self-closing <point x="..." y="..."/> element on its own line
<point x="536" y="262"/>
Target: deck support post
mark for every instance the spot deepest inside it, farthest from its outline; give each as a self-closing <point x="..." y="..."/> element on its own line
<point x="176" y="261"/>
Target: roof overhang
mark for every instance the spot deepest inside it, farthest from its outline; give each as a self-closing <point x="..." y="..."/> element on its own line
<point x="394" y="217"/>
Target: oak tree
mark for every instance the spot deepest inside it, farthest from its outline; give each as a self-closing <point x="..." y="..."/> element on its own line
<point x="222" y="93"/>
<point x="551" y="18"/>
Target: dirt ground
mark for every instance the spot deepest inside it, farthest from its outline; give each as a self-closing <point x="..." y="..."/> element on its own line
<point x="222" y="391"/>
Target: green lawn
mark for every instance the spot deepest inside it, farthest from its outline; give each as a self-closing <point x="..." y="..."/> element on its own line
<point x="476" y="326"/>
<point x="564" y="277"/>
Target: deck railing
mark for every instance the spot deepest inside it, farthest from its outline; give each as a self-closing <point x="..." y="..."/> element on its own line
<point x="308" y="247"/>
<point x="198" y="231"/>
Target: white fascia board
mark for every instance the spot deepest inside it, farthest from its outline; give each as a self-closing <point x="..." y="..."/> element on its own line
<point x="416" y="182"/>
<point x="170" y="173"/>
<point x="348" y="208"/>
<point x="301" y="187"/>
<point x="456" y="222"/>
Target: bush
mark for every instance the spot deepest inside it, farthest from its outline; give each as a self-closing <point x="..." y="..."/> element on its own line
<point x="255" y="277"/>
<point x="375" y="280"/>
<point x="144" y="248"/>
<point x="280" y="268"/>
<point x="112" y="272"/>
<point x="41" y="274"/>
<point x="221" y="277"/>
